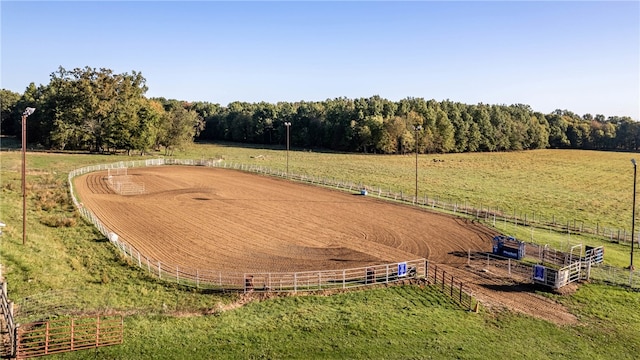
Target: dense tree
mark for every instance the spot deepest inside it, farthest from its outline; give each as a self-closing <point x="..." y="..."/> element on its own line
<point x="8" y="101"/>
<point x="178" y="127"/>
<point x="96" y="109"/>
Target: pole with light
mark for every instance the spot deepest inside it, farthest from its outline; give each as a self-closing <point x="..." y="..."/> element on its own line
<point x="287" y="124"/>
<point x="417" y="128"/>
<point x="28" y="111"/>
<point x="633" y="211"/>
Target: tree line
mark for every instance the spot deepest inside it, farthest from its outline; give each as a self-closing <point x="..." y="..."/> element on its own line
<point x="97" y="110"/>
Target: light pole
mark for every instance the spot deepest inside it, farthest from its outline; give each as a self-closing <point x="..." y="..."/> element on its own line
<point x="633" y="211"/>
<point x="416" y="128"/>
<point x="28" y="111"/>
<point x="287" y="124"/>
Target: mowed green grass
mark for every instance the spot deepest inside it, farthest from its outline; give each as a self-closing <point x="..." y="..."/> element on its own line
<point x="74" y="268"/>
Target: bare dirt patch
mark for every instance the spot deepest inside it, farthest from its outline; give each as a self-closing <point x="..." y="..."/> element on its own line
<point x="220" y="219"/>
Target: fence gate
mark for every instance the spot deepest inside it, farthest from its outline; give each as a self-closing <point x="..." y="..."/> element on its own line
<point x="58" y="336"/>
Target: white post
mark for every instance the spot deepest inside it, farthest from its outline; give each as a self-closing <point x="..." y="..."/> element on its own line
<point x="387" y="279"/>
<point x="344" y="278"/>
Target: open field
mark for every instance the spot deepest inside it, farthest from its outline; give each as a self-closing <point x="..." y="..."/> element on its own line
<point x="165" y="321"/>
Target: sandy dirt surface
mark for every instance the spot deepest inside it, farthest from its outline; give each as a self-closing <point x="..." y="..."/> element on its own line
<point x="220" y="219"/>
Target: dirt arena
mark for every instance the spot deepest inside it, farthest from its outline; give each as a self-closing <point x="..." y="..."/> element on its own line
<point x="221" y="219"/>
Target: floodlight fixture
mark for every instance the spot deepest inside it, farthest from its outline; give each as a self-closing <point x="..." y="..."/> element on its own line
<point x="28" y="111"/>
<point x="417" y="128"/>
<point x="288" y="125"/>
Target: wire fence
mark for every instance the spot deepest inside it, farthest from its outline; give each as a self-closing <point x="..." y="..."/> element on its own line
<point x="616" y="276"/>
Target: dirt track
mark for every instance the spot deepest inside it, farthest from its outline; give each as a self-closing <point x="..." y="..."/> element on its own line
<point x="218" y="219"/>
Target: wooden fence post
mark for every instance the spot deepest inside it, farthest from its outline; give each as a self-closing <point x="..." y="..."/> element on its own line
<point x="451" y="286"/>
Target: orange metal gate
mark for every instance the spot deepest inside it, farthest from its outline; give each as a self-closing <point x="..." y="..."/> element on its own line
<point x="57" y="336"/>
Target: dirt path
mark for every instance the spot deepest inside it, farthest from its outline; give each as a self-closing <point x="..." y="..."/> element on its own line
<point x="219" y="219"/>
<point x="496" y="290"/>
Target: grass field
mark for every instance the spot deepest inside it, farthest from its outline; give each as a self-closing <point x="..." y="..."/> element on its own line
<point x="68" y="266"/>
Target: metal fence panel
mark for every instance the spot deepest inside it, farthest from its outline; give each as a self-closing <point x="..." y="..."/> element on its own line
<point x="57" y="336"/>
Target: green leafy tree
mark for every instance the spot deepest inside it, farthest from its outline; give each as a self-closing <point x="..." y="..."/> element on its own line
<point x="94" y="108"/>
<point x="178" y="128"/>
<point x="8" y="102"/>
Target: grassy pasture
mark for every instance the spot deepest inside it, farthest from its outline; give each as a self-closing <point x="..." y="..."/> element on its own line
<point x="66" y="265"/>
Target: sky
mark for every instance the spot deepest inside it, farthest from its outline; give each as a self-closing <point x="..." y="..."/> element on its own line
<point x="578" y="56"/>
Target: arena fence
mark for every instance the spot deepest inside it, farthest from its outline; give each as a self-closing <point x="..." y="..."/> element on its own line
<point x="544" y="265"/>
<point x="510" y="267"/>
<point x="239" y="281"/>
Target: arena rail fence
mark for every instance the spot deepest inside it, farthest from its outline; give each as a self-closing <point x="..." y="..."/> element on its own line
<point x="337" y="279"/>
<point x="217" y="279"/>
<point x="544" y="265"/>
<point x="236" y="281"/>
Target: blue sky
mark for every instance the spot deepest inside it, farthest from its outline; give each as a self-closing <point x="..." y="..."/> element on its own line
<point x="579" y="56"/>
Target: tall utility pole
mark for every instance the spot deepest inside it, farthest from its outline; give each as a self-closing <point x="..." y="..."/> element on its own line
<point x="416" y="128"/>
<point x="28" y="111"/>
<point x="633" y="211"/>
<point x="288" y="125"/>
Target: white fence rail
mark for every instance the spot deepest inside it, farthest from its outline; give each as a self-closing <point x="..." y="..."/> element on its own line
<point x="214" y="279"/>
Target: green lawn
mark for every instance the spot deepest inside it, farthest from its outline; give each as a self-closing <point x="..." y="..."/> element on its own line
<point x="67" y="265"/>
